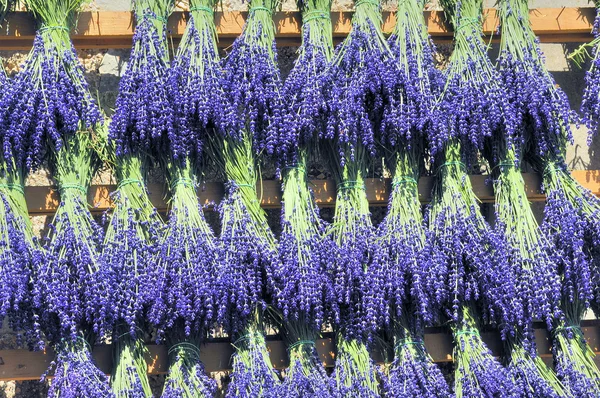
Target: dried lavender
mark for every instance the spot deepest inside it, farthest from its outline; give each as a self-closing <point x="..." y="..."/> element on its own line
<point x="143" y="110"/>
<point x="590" y="104"/>
<point x="538" y="282"/>
<point x="36" y="118"/>
<point x="402" y="232"/>
<point x="247" y="247"/>
<point x="473" y="103"/>
<point x="302" y="286"/>
<point x="143" y="119"/>
<point x="186" y="262"/>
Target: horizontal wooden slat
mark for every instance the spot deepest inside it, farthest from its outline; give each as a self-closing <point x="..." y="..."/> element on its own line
<point x="27" y="365"/>
<point x="114" y="29"/>
<point x="44" y="199"/>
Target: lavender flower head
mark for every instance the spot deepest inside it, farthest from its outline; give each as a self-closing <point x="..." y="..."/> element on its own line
<point x="143" y="111"/>
<point x="36" y="120"/>
<point x="472" y="104"/>
<point x="252" y="79"/>
<point x="540" y="109"/>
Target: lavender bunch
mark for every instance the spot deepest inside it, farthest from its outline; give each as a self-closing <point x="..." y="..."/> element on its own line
<point x="143" y="110"/>
<point x="253" y="81"/>
<point x="538" y="282"/>
<point x="302" y="287"/>
<point x="544" y="122"/>
<point x="574" y="241"/>
<point x="49" y="100"/>
<point x="247" y="246"/>
<point x="186" y="262"/>
<point x="402" y="232"/>
<point x="473" y="103"/>
<point x="75" y="374"/>
<point x="356" y="276"/>
<point x="470" y="277"/>
<point x="67" y="291"/>
<point x="142" y="120"/>
<point x="590" y="104"/>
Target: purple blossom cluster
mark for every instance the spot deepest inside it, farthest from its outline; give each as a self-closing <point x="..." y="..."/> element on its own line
<point x="65" y="291"/>
<point x="34" y="120"/>
<point x="356" y="275"/>
<point x="477" y="373"/>
<point x="524" y="370"/>
<point x="590" y="104"/>
<point x="541" y="112"/>
<point x="253" y="81"/>
<point x="128" y="255"/>
<point x="196" y="83"/>
<point x="468" y="259"/>
<point x="19" y="251"/>
<point x="308" y="109"/>
<point x="305" y="377"/>
<point x="413" y="373"/>
<point x="75" y="374"/>
<point x="248" y="258"/>
<point x="302" y="289"/>
<point x="184" y="273"/>
<point x="144" y="116"/>
<point x="473" y="104"/>
<point x="365" y="95"/>
<point x="252" y="374"/>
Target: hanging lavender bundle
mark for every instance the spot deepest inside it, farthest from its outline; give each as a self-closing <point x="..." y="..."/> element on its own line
<point x="472" y="282"/>
<point x="187" y="259"/>
<point x="590" y="104"/>
<point x="19" y="249"/>
<point x="247" y="248"/>
<point x="402" y="233"/>
<point x="301" y="282"/>
<point x="365" y="102"/>
<point x="571" y="221"/>
<point x="537" y="275"/>
<point x="51" y="107"/>
<point x="143" y="117"/>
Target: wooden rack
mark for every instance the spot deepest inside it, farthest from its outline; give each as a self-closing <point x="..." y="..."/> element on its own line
<point x="43" y="200"/>
<point x="216" y="355"/>
<point x="114" y="29"/>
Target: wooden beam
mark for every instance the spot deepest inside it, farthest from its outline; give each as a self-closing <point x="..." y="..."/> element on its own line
<point x="22" y="364"/>
<point x="114" y="29"/>
<point x="44" y="199"/>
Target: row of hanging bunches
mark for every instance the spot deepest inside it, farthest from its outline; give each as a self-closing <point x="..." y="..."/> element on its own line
<point x="138" y="275"/>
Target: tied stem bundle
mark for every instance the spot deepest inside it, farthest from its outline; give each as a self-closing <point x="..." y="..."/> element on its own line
<point x="590" y="104"/>
<point x="538" y="283"/>
<point x="129" y="250"/>
<point x="142" y="122"/>
<point x="571" y="224"/>
<point x="356" y="276"/>
<point x="302" y="288"/>
<point x="70" y="291"/>
<point x="402" y="236"/>
<point x="185" y="307"/>
<point x="49" y="99"/>
<point x="473" y="102"/>
<point x="247" y="246"/>
<point x="470" y="276"/>
<point x="75" y="374"/>
<point x="402" y="233"/>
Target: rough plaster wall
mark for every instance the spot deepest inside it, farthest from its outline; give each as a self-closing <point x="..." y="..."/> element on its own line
<point x="104" y="68"/>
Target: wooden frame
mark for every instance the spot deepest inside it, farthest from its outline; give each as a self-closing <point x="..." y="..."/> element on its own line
<point x="43" y="200"/>
<point x="114" y="29"/>
<point x="216" y="355"/>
